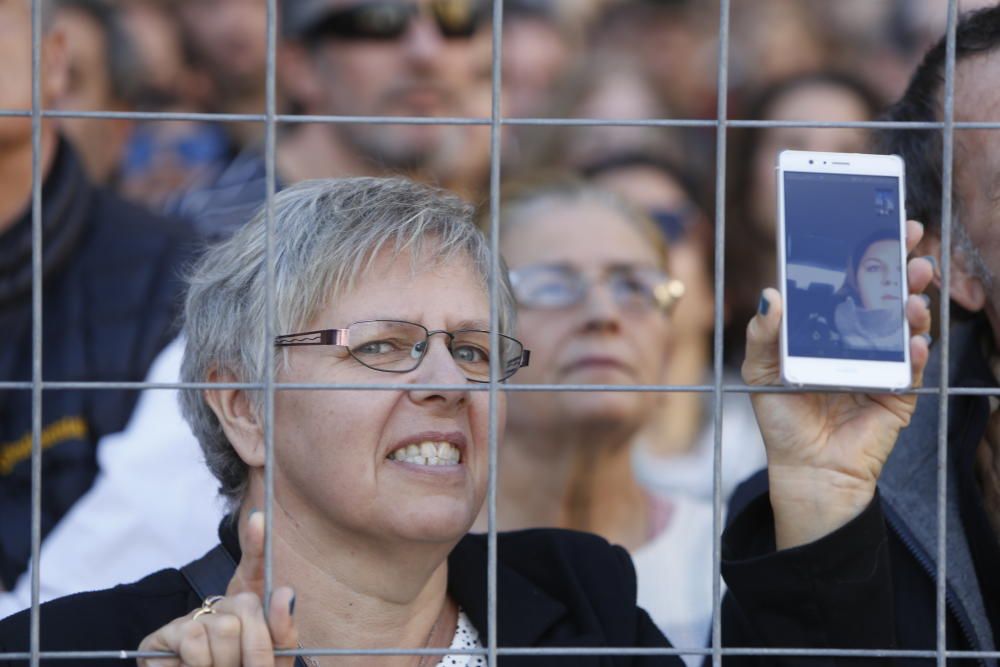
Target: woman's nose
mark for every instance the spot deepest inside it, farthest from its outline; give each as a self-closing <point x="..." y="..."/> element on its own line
<point x="438" y="367"/>
<point x="601" y="308"/>
<point x="438" y="361"/>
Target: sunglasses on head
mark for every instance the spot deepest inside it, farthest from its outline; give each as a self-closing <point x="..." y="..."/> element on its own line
<point x="390" y="19"/>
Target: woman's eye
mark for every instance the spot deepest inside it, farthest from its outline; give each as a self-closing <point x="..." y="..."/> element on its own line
<point x="633" y="285"/>
<point x="470" y="354"/>
<point x="549" y="289"/>
<point x="376" y="347"/>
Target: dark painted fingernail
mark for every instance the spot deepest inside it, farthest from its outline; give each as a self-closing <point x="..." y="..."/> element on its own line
<point x="927" y="300"/>
<point x="933" y="261"/>
<point x="291" y="606"/>
<point x="927" y="337"/>
<point x="764" y="305"/>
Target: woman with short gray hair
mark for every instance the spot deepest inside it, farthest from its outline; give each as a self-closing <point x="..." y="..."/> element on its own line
<point x="375" y="489"/>
<point x="330" y="233"/>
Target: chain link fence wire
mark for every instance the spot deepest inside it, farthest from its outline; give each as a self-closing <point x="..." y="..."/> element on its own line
<point x="271" y="120"/>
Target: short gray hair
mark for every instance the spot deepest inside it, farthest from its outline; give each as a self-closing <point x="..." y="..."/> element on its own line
<point x="326" y="235"/>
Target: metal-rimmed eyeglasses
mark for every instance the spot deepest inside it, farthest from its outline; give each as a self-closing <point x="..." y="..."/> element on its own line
<point x="397" y="346"/>
<point x="635" y="288"/>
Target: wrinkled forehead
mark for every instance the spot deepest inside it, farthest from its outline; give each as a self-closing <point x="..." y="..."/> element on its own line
<point x="579" y="230"/>
<point x="393" y="270"/>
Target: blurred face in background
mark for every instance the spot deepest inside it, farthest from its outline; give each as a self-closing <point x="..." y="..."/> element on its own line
<point x="659" y="195"/>
<point x="89" y="87"/>
<point x="819" y="102"/>
<point x="419" y="72"/>
<point x="156" y="37"/>
<point x="229" y="38"/>
<point x="595" y="341"/>
<point x="773" y="40"/>
<point x="15" y="70"/>
<point x="535" y="55"/>
<point x="618" y="90"/>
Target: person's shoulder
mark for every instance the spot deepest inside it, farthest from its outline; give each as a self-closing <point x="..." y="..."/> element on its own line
<point x="554" y="558"/>
<point x="135" y="223"/>
<point x="557" y="543"/>
<point x="113" y="619"/>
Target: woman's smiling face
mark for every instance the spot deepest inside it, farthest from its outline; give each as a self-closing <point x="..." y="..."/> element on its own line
<point x="335" y="449"/>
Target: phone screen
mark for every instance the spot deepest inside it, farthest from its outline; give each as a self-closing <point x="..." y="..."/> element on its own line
<point x="845" y="279"/>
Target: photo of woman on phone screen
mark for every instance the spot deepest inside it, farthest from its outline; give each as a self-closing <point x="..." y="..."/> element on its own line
<point x="869" y="314"/>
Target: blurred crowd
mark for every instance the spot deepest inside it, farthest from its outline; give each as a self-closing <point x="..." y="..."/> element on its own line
<point x="192" y="181"/>
<point x="581" y="59"/>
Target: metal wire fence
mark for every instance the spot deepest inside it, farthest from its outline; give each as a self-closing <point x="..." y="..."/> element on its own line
<point x="271" y="120"/>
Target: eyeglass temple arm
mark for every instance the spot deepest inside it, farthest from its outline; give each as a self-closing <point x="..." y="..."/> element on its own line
<point x="319" y="337"/>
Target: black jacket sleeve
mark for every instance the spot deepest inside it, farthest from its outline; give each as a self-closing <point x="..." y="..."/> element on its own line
<point x="834" y="593"/>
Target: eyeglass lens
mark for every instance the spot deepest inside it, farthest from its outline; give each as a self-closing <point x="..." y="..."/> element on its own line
<point x="389" y="20"/>
<point x="560" y="287"/>
<point x="395" y="346"/>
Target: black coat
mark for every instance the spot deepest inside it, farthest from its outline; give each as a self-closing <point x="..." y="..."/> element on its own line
<point x="110" y="300"/>
<point x="556" y="588"/>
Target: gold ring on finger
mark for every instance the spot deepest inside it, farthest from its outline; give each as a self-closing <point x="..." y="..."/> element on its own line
<point x="206" y="606"/>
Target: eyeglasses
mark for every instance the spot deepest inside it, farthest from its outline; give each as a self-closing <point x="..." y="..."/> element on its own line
<point x="558" y="286"/>
<point x="395" y="346"/>
<point x="390" y="19"/>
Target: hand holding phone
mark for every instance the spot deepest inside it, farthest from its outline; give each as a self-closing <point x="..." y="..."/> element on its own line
<point x="826" y="450"/>
<point x="842" y="270"/>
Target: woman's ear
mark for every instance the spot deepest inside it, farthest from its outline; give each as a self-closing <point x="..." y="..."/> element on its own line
<point x="240" y="422"/>
<point x="966" y="288"/>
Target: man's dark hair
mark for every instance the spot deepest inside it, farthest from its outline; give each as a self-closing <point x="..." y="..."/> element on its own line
<point x="922" y="150"/>
<point x="124" y="65"/>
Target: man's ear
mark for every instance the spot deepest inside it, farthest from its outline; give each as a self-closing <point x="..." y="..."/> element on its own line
<point x="299" y="76"/>
<point x="55" y="66"/>
<point x="966" y="289"/>
<point x="240" y="422"/>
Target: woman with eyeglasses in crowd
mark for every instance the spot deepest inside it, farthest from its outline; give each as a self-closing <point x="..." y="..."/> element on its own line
<point x="675" y="452"/>
<point x="594" y="295"/>
<point x="383" y="281"/>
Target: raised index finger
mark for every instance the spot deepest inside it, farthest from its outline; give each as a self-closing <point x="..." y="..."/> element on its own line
<point x="249" y="575"/>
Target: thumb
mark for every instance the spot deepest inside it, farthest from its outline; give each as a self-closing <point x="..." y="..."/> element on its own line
<point x="249" y="575"/>
<point x="762" y="365"/>
<point x="281" y="622"/>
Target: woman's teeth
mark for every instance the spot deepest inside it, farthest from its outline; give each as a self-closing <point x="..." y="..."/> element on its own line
<point x="428" y="454"/>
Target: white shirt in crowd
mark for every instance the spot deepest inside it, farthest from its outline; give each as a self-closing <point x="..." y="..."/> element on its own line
<point x="153" y="504"/>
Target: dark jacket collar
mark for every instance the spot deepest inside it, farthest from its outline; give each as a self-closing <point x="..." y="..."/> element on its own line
<point x="908" y="484"/>
<point x="66" y="199"/>
<point x="526" y="612"/>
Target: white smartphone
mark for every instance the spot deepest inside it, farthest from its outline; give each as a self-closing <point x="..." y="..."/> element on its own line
<point x="842" y="270"/>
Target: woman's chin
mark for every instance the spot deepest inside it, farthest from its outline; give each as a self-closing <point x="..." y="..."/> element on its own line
<point x="604" y="409"/>
<point x="439" y="521"/>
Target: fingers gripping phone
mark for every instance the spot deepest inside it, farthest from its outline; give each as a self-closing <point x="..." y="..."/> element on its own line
<point x="842" y="270"/>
